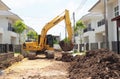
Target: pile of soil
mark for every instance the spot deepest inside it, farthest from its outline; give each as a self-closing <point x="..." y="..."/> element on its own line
<point x="8" y="62"/>
<point x="66" y="57"/>
<point x="97" y="64"/>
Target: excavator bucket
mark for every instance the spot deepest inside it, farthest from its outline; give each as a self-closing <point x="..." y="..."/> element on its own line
<point x="66" y="46"/>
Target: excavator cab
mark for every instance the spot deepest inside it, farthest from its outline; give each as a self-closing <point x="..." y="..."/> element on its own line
<point x="48" y="41"/>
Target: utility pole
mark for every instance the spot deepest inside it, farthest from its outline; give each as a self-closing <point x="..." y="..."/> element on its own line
<point x="106" y="23"/>
<point x="118" y="45"/>
<point x="73" y="26"/>
<point x="73" y="29"/>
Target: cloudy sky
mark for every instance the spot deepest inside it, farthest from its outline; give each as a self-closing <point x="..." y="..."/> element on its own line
<point x="36" y="13"/>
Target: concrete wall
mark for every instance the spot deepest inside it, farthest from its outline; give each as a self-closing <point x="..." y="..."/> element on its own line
<point x="5" y="56"/>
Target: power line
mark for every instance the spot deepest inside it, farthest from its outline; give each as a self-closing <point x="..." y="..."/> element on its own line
<point x="81" y="5"/>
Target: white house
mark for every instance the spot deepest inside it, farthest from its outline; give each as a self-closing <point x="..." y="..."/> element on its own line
<point x="94" y="34"/>
<point x="7" y="19"/>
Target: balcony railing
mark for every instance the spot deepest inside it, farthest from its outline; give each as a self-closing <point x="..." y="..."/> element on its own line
<point x="86" y="30"/>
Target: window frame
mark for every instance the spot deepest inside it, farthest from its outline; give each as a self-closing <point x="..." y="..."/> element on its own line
<point x="116" y="10"/>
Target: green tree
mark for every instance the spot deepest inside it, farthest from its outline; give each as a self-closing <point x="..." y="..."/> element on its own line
<point x="32" y="35"/>
<point x="78" y="29"/>
<point x="19" y="27"/>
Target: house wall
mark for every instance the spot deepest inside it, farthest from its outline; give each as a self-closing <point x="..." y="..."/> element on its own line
<point x="4" y="23"/>
<point x="7" y="35"/>
<point x="92" y="37"/>
<point x="92" y="34"/>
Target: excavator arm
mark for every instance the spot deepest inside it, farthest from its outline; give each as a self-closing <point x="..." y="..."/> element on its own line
<point x="54" y="22"/>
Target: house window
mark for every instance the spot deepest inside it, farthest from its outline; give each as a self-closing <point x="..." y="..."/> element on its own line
<point x="89" y="27"/>
<point x="101" y="22"/>
<point x="116" y="11"/>
<point x="10" y="28"/>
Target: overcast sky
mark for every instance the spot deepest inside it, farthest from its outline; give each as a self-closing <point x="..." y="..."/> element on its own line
<point x="36" y="13"/>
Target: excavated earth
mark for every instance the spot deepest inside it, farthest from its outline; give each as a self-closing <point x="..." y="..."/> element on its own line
<point x="97" y="64"/>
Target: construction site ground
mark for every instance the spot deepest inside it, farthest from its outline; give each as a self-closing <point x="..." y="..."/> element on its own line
<point x="40" y="68"/>
<point x="94" y="64"/>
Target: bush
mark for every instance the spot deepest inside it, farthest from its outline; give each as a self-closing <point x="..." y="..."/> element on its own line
<point x="55" y="42"/>
<point x="66" y="40"/>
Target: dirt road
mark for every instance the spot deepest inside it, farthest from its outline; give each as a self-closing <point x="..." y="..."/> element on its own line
<point x="40" y="68"/>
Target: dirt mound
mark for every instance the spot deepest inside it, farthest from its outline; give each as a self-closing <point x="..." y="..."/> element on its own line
<point x="66" y="57"/>
<point x="98" y="64"/>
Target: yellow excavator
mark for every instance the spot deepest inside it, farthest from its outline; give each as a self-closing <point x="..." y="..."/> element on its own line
<point x="45" y="42"/>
